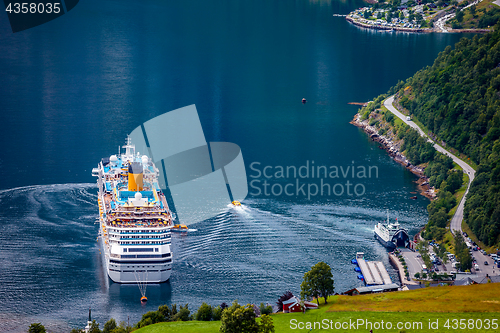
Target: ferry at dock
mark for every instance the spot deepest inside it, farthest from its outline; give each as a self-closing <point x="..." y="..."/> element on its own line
<point x="391" y="235"/>
<point x="134" y="219"/>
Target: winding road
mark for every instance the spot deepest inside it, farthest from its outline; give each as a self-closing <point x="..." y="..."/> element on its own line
<point x="456" y="220"/>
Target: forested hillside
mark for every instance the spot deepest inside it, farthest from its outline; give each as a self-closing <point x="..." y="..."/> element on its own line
<point x="458" y="100"/>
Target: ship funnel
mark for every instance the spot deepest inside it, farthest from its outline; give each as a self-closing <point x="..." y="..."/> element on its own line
<point x="135" y="176"/>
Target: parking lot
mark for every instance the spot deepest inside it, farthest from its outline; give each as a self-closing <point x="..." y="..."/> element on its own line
<point x="415" y="264"/>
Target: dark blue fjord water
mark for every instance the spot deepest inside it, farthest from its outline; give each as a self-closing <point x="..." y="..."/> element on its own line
<point x="73" y="88"/>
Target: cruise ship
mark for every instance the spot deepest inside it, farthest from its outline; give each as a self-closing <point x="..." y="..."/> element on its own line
<point x="391" y="235"/>
<point x="135" y="221"/>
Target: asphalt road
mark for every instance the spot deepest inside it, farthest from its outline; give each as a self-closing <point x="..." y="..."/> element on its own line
<point x="456" y="220"/>
<point x="413" y="263"/>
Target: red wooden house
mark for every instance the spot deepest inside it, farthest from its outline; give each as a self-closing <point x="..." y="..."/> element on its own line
<point x="293" y="305"/>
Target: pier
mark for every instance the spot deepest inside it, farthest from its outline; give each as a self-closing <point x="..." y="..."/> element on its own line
<point x="374" y="272"/>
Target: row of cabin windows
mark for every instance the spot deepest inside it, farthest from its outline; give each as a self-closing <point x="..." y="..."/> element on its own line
<point x="146" y="249"/>
<point x="143" y="243"/>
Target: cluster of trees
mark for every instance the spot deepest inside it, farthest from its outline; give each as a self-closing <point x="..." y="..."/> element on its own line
<point x="462" y="252"/>
<point x="165" y="313"/>
<point x="482" y="208"/>
<point x="490" y="18"/>
<point x="441" y="176"/>
<point x="439" y="168"/>
<point x="482" y="18"/>
<point x="238" y="318"/>
<point x="458" y="100"/>
<point x="233" y="318"/>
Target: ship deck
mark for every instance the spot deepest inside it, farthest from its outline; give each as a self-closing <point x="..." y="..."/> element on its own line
<point x="150" y="216"/>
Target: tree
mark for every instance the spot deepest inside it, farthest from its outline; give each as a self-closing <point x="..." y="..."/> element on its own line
<point x="453" y="181"/>
<point x="36" y="328"/>
<point x="164" y="310"/>
<point x="439" y="218"/>
<point x="265" y="309"/>
<point x="173" y="311"/>
<point x="472" y="9"/>
<point x="459" y="15"/>
<point x="183" y="314"/>
<point x="367" y="14"/>
<point x="266" y="324"/>
<point x="109" y="326"/>
<point x="318" y="282"/>
<point x="204" y="313"/>
<point x="217" y="313"/>
<point x="239" y="319"/>
<point x="94" y="327"/>
<point x="417" y="275"/>
<point x="285" y="297"/>
<point x="149" y="318"/>
<point x="418" y="18"/>
<point x="123" y="328"/>
<point x="462" y="252"/>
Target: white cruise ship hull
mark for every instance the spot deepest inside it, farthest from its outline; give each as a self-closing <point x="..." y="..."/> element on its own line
<point x="134" y="219"/>
<point x="131" y="272"/>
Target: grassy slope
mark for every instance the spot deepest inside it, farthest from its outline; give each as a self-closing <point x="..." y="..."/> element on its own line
<point x="475" y="298"/>
<point x="439" y="303"/>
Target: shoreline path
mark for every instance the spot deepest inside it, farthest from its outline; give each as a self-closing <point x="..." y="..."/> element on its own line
<point x="456" y="220"/>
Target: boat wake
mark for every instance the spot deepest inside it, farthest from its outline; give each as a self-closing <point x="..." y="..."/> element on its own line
<point x="47" y="234"/>
<point x="51" y="267"/>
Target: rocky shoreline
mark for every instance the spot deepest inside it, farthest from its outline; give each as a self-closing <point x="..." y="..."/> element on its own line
<point x="393" y="150"/>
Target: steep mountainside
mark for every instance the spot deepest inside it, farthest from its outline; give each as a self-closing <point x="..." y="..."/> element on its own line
<point x="458" y="100"/>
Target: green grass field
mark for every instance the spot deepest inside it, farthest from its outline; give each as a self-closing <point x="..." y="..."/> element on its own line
<point x="475" y="305"/>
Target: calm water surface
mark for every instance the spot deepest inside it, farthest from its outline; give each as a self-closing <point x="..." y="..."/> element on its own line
<point x="73" y="88"/>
